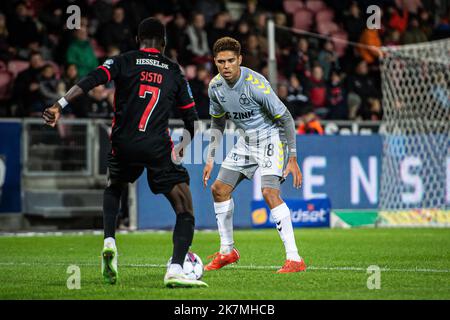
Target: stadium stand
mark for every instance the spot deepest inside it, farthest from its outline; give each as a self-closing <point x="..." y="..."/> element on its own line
<point x="30" y="26"/>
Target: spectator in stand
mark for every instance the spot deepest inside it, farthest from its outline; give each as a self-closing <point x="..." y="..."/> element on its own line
<point x="392" y="38"/>
<point x="242" y="31"/>
<point x="116" y="32"/>
<point x="252" y="56"/>
<point x="336" y="97"/>
<point x="199" y="87"/>
<point x="112" y="51"/>
<point x="81" y="53"/>
<point x="50" y="90"/>
<point x="209" y="8"/>
<point x="396" y="20"/>
<point x="218" y="29"/>
<point x="296" y="98"/>
<point x="24" y="53"/>
<point x="198" y="40"/>
<point x="375" y="111"/>
<point x="26" y="86"/>
<point x="414" y="33"/>
<point x="52" y="15"/>
<point x="299" y="61"/>
<point x="284" y="41"/>
<point x="282" y="93"/>
<point x="426" y="25"/>
<point x="442" y="30"/>
<point x="363" y="87"/>
<point x="250" y="13"/>
<point x="370" y="37"/>
<point x="265" y="70"/>
<point x="6" y="50"/>
<point x="260" y="29"/>
<point x="70" y="76"/>
<point x="354" y="22"/>
<point x="98" y="105"/>
<point x="316" y="90"/>
<point x="177" y="38"/>
<point x="22" y="28"/>
<point x="284" y="37"/>
<point x="309" y="123"/>
<point x="328" y="59"/>
<point x="412" y="6"/>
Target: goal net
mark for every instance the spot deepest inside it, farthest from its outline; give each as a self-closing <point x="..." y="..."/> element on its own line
<point x="415" y="178"/>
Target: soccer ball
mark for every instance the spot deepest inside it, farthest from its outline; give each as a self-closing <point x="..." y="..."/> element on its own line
<point x="192" y="266"/>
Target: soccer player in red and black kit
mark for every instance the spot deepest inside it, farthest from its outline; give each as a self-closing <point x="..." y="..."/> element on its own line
<point x="148" y="85"/>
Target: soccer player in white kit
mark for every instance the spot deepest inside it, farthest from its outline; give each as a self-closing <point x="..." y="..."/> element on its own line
<point x="267" y="140"/>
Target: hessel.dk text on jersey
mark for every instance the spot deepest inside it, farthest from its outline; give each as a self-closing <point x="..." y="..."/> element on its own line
<point x="151" y="62"/>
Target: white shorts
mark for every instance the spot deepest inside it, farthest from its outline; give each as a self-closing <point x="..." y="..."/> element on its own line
<point x="269" y="154"/>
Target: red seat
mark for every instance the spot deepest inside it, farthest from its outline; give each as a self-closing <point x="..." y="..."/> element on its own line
<point x="303" y="19"/>
<point x="315" y="5"/>
<point x="327" y="27"/>
<point x="56" y="68"/>
<point x="6" y="79"/>
<point x="325" y="15"/>
<point x="292" y="6"/>
<point x="17" y="66"/>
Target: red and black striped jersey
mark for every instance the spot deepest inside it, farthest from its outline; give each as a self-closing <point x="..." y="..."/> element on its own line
<point x="148" y="86"/>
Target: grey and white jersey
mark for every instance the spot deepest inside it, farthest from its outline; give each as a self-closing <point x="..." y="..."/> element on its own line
<point x="251" y="103"/>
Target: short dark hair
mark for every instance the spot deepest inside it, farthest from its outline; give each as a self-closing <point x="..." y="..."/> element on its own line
<point x="152" y="29"/>
<point x="227" y="44"/>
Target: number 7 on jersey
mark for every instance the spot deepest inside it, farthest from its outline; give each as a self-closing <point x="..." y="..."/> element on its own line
<point x="143" y="90"/>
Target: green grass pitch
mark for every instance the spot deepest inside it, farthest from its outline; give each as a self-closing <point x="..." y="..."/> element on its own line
<point x="415" y="264"/>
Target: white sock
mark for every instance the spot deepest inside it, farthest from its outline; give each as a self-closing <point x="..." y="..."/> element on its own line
<point x="109" y="242"/>
<point x="224" y="217"/>
<point x="175" y="268"/>
<point x="282" y="217"/>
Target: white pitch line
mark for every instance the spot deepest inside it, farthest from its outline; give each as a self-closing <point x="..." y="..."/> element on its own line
<point x="243" y="267"/>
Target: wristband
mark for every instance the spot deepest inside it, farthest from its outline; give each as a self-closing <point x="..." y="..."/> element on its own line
<point x="63" y="102"/>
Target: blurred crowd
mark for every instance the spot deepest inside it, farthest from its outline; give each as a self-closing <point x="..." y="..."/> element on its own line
<point x="318" y="78"/>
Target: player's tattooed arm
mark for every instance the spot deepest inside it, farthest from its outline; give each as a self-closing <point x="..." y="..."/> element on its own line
<point x="292" y="167"/>
<point x="217" y="129"/>
<point x="287" y="122"/>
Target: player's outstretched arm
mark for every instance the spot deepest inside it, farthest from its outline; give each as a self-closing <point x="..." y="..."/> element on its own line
<point x="53" y="113"/>
<point x="99" y="76"/>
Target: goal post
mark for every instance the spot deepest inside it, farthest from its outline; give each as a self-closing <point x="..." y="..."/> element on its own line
<point x="416" y="136"/>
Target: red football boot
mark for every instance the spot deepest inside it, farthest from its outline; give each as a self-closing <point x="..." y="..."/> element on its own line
<point x="221" y="260"/>
<point x="292" y="266"/>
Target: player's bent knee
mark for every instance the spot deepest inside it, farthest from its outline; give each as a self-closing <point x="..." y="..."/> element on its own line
<point x="182" y="208"/>
<point x="220" y="191"/>
<point x="180" y="200"/>
<point x="271" y="196"/>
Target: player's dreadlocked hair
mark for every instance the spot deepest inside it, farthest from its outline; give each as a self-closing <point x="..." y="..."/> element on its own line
<point x="227" y="44"/>
<point x="152" y="29"/>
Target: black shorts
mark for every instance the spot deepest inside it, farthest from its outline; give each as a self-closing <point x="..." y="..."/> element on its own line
<point x="162" y="173"/>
